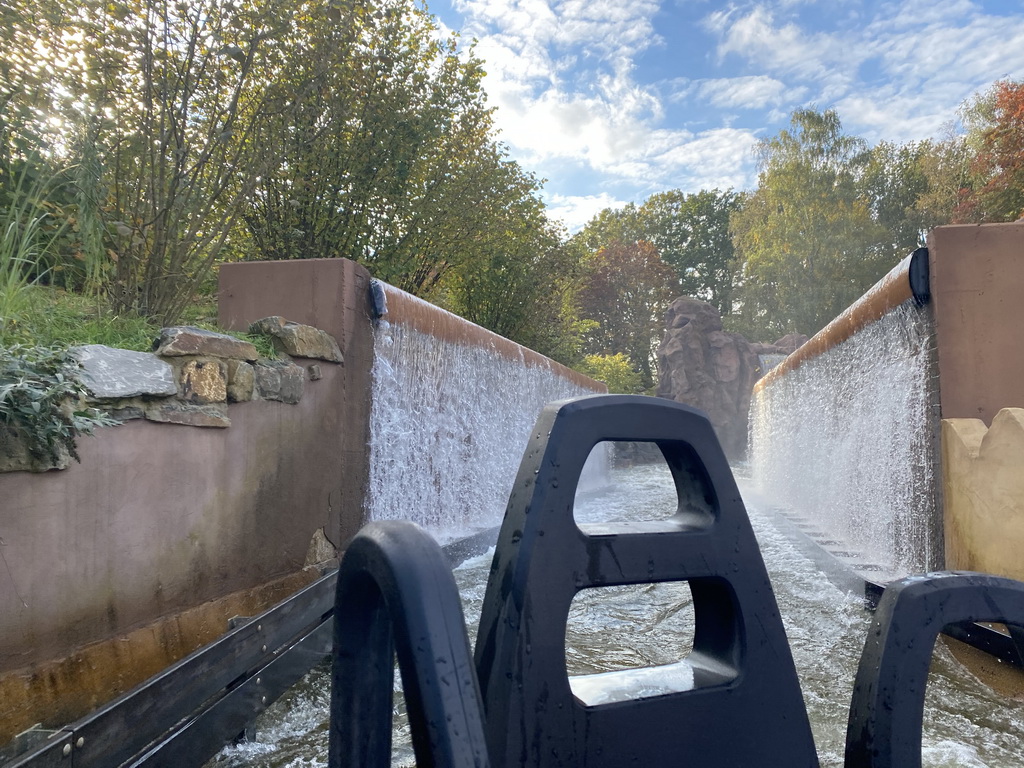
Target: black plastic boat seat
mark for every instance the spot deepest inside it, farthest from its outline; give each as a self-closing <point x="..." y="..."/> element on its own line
<point x="886" y="712"/>
<point x="734" y="701"/>
<point x="396" y="592"/>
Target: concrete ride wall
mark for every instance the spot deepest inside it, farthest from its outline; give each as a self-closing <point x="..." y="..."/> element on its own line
<point x="120" y="565"/>
<point x="977" y="280"/>
<point x="977" y="286"/>
<point x="977" y="283"/>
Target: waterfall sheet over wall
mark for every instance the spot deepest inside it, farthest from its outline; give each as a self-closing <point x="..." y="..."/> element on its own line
<point x="449" y="423"/>
<point x="848" y="439"/>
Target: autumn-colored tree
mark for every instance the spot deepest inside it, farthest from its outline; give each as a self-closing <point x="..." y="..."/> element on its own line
<point x="997" y="168"/>
<point x="625" y="291"/>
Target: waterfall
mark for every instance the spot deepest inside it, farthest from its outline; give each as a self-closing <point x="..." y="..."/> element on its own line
<point x="449" y="423"/>
<point x="848" y="440"/>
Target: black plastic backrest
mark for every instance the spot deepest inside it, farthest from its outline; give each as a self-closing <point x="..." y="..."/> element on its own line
<point x="396" y="592"/>
<point x="884" y="729"/>
<point x="745" y="707"/>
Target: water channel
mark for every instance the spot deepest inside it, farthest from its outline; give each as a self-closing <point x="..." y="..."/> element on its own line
<point x="966" y="725"/>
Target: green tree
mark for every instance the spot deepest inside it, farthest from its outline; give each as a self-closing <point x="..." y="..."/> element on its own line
<point x="691" y="232"/>
<point x="625" y="290"/>
<point x="183" y="143"/>
<point x="614" y="370"/>
<point x="169" y="99"/>
<point x="623" y="225"/>
<point x="521" y="282"/>
<point x="893" y="181"/>
<point x="807" y="242"/>
<point x="388" y="156"/>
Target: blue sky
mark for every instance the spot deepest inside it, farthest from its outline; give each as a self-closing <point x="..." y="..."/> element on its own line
<point x="613" y="100"/>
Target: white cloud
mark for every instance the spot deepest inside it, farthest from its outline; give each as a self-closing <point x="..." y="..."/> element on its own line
<point x="915" y="14"/>
<point x="721" y="157"/>
<point x="929" y="57"/>
<point x="561" y="76"/>
<point x="574" y="211"/>
<point x="567" y="77"/>
<point x="751" y="92"/>
<point x="784" y="48"/>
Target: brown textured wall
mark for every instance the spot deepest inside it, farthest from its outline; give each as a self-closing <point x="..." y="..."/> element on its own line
<point x="160" y="519"/>
<point x="977" y="285"/>
<point x="333" y="295"/>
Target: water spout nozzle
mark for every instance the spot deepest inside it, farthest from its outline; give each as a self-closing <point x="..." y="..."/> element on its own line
<point x="378" y="299"/>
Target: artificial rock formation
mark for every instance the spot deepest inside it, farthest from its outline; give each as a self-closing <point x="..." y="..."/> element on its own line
<point x="701" y="365"/>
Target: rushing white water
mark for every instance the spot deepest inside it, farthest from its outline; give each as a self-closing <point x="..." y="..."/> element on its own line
<point x="449" y="424"/>
<point x="965" y="724"/>
<point x="847" y="440"/>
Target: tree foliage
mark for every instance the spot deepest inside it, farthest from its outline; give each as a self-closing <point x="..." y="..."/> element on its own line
<point x="807" y="238"/>
<point x="389" y="137"/>
<point x="185" y="125"/>
<point x="691" y="233"/>
<point x="167" y="98"/>
<point x="997" y="167"/>
<point x="279" y="129"/>
<point x="945" y="165"/>
<point x="624" y="225"/>
<point x="625" y="290"/>
<point x="186" y="133"/>
<point x="616" y="371"/>
<point x="522" y="282"/>
<point x="893" y="182"/>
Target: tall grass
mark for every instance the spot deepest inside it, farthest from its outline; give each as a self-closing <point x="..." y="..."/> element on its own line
<point x="28" y="235"/>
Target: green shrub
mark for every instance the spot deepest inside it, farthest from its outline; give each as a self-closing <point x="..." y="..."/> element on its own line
<point x="615" y="371"/>
<point x="41" y="403"/>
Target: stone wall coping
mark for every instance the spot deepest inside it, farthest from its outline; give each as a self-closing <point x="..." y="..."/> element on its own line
<point x="190" y="377"/>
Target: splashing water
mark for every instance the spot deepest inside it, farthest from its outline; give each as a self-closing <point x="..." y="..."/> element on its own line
<point x="965" y="724"/>
<point x="847" y="440"/>
<point x="449" y="424"/>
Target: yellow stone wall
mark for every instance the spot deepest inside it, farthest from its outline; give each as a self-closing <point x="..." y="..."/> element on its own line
<point x="983" y="493"/>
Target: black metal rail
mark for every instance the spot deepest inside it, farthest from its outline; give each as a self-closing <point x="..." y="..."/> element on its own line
<point x="187" y="713"/>
<point x="224" y="684"/>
